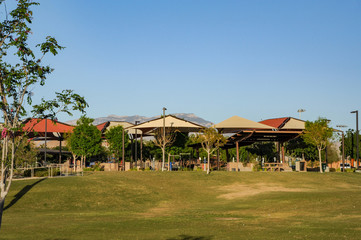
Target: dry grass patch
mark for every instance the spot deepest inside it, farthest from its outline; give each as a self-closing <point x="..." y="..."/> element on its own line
<point x="238" y="190"/>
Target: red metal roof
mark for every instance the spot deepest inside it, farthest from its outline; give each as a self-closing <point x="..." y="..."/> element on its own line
<point x="102" y="127"/>
<point x="38" y="125"/>
<point x="274" y="122"/>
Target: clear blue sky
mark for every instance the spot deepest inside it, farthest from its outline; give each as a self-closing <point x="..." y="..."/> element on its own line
<point x="257" y="59"/>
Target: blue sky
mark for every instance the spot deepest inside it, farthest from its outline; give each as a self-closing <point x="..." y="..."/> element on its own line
<point x="256" y="59"/>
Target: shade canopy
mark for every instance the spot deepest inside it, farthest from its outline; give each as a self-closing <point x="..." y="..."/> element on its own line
<point x="170" y="122"/>
<point x="127" y="127"/>
<point x="55" y="130"/>
<point x="35" y="127"/>
<point x="235" y="124"/>
<point x="286" y="123"/>
<point x="248" y="137"/>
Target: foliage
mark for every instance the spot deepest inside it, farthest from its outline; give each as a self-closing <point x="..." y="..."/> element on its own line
<point x="163" y="138"/>
<point x="318" y="133"/>
<point x="19" y="74"/>
<point x="351" y="143"/>
<point x="85" y="141"/>
<point x="26" y="152"/>
<point x="266" y="150"/>
<point x="95" y="167"/>
<point x="114" y="137"/>
<point x="333" y="154"/>
<point x="299" y="148"/>
<point x="210" y="140"/>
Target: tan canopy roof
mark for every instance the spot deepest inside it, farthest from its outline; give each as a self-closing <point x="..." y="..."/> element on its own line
<point x="170" y="121"/>
<point x="294" y="123"/>
<point x="285" y="123"/>
<point x="127" y="126"/>
<point x="235" y="124"/>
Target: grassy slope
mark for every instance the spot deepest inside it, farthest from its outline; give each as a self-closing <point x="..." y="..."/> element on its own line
<point x="186" y="205"/>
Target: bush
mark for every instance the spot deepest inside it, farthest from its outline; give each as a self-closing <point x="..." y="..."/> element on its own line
<point x="257" y="167"/>
<point x="332" y="169"/>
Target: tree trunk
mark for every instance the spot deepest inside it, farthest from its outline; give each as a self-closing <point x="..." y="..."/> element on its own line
<point x="2" y="201"/>
<point x="319" y="156"/>
<point x="168" y="162"/>
<point x="163" y="156"/>
<point x="74" y="163"/>
<point x="208" y="164"/>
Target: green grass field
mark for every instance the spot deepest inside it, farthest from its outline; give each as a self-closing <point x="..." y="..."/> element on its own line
<point x="186" y="205"/>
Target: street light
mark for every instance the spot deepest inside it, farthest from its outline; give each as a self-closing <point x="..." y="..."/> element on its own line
<point x="136" y="143"/>
<point x="357" y="133"/>
<point x="301" y="111"/>
<point x="343" y="146"/>
<point x="163" y="137"/>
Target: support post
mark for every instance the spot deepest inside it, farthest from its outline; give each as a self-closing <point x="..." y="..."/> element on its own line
<point x="237" y="150"/>
<point x="123" y="150"/>
<point x="343" y="152"/>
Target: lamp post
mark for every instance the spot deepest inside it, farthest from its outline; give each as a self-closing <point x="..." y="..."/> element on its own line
<point x="135" y="146"/>
<point x="301" y="111"/>
<point x="163" y="138"/>
<point x="343" y="146"/>
<point x="357" y="141"/>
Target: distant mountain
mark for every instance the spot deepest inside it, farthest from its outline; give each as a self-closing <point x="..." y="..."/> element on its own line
<point x="131" y="119"/>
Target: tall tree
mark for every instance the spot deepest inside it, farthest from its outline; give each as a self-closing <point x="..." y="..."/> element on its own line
<point x="85" y="141"/>
<point x="114" y="137"/>
<point x="163" y="139"/>
<point x="351" y="143"/>
<point x="211" y="140"/>
<point x="318" y="133"/>
<point x="18" y="75"/>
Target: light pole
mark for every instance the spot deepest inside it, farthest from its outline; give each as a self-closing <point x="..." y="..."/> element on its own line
<point x="357" y="141"/>
<point x="136" y="143"/>
<point x="301" y="111"/>
<point x="163" y="138"/>
<point x="343" y="146"/>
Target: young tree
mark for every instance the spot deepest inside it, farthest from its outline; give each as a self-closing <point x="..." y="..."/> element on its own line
<point x="18" y="75"/>
<point x="318" y="133"/>
<point x="163" y="139"/>
<point x="114" y="138"/>
<point x="211" y="140"/>
<point x="85" y="141"/>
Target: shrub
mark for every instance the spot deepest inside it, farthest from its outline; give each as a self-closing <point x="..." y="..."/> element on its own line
<point x="257" y="167"/>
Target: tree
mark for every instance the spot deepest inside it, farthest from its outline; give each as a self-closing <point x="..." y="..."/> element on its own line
<point x="25" y="152"/>
<point x="85" y="141"/>
<point x="351" y="143"/>
<point x="211" y="140"/>
<point x="263" y="150"/>
<point x="114" y="138"/>
<point x="318" y="133"/>
<point x="163" y="139"/>
<point x="18" y="75"/>
<point x="299" y="148"/>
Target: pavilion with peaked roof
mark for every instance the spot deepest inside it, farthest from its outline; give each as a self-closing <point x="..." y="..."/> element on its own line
<point x="170" y="122"/>
<point x="247" y="132"/>
<point x="51" y="130"/>
<point x="285" y="123"/>
<point x="38" y="128"/>
<point x="235" y="124"/>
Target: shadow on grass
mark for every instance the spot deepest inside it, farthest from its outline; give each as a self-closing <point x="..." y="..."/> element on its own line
<point x="22" y="192"/>
<point x="187" y="237"/>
